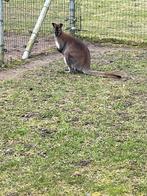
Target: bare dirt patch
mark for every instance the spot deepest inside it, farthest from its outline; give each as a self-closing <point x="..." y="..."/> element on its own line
<point x="32" y="64"/>
<point x="15" y="46"/>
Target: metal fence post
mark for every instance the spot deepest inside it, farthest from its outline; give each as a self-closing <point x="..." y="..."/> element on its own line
<point x="1" y="34"/>
<point x="72" y="16"/>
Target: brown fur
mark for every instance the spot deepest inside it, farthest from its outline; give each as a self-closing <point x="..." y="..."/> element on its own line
<point x="76" y="54"/>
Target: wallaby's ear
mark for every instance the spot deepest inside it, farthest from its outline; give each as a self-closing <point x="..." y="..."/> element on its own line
<point x="61" y="25"/>
<point x="54" y="24"/>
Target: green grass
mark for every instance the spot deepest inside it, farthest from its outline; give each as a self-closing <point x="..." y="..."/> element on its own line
<point x="105" y="20"/>
<point x="64" y="134"/>
<point x="112" y="20"/>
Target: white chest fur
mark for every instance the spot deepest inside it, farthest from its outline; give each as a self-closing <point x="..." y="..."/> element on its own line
<point x="56" y="42"/>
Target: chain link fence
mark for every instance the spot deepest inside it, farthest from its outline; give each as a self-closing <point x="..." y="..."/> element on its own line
<point x="120" y="21"/>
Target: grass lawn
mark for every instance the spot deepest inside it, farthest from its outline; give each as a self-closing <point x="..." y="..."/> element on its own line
<point x="64" y="134"/>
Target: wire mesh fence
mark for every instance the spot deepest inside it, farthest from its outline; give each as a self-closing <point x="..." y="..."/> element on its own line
<point x="20" y="17"/>
<point x="122" y="21"/>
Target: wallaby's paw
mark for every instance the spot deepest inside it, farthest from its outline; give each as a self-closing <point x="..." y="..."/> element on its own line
<point x="67" y="69"/>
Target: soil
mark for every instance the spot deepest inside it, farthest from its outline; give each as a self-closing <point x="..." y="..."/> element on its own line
<point x="15" y="45"/>
<point x="43" y="53"/>
<point x="43" y="60"/>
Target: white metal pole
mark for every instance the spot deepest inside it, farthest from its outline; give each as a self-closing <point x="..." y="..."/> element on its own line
<point x="1" y="34"/>
<point x="36" y="29"/>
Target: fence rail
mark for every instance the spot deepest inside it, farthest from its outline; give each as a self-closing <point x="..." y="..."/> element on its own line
<point x="122" y="21"/>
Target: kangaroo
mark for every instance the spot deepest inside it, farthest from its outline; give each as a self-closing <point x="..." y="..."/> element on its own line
<point x="76" y="54"/>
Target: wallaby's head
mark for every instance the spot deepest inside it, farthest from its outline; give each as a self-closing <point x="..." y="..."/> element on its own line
<point x="57" y="28"/>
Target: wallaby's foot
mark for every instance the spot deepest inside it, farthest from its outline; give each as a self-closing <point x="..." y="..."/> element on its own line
<point x="67" y="69"/>
<point x="73" y="70"/>
<point x="70" y="70"/>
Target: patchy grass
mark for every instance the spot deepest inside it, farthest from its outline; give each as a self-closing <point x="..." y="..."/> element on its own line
<point x="11" y="64"/>
<point x="64" y="134"/>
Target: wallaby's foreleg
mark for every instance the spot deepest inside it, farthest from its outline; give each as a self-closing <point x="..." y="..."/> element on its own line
<point x="68" y="68"/>
<point x="69" y="62"/>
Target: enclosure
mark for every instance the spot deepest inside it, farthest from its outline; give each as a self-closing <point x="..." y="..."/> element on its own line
<point x="74" y="134"/>
<point x="114" y="21"/>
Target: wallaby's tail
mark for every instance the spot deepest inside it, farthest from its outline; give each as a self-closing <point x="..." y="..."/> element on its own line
<point x="102" y="74"/>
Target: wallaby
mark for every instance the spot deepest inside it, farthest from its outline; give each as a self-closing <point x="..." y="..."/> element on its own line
<point x="76" y="53"/>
